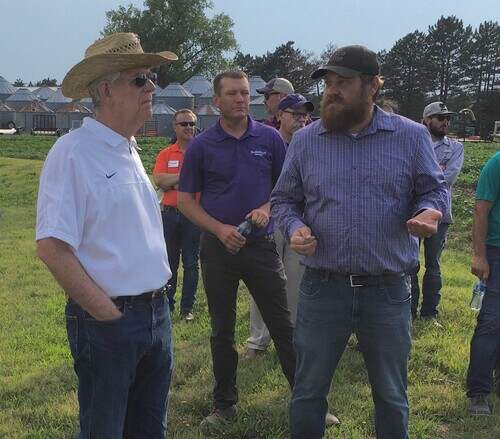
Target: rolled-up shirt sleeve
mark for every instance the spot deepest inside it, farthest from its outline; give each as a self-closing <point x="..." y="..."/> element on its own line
<point x="430" y="187"/>
<point x="62" y="195"/>
<point x="287" y="197"/>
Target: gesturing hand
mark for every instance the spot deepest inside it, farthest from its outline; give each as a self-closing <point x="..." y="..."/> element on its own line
<point x="424" y="224"/>
<point x="303" y="242"/>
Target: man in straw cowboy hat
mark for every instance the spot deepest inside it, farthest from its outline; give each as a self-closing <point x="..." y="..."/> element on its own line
<point x="99" y="231"/>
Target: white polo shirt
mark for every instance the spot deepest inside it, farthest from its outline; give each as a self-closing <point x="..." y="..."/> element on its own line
<point x="96" y="196"/>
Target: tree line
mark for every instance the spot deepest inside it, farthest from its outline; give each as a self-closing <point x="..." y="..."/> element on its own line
<point x="450" y="62"/>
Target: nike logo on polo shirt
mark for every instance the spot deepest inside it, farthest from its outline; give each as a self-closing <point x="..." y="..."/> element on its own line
<point x="110" y="175"/>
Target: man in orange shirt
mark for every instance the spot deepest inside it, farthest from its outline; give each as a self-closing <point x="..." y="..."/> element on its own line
<point x="181" y="236"/>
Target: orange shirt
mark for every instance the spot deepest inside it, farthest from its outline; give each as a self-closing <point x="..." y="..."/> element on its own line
<point x="169" y="161"/>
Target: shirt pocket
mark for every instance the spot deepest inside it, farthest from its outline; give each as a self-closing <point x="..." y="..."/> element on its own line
<point x="261" y="164"/>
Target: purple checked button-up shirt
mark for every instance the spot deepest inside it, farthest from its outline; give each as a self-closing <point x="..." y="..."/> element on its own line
<point x="356" y="193"/>
<point x="233" y="175"/>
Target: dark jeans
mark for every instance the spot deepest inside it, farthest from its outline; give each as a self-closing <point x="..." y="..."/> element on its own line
<point x="485" y="344"/>
<point x="123" y="368"/>
<point x="182" y="238"/>
<point x="259" y="266"/>
<point x="432" y="283"/>
<point x="329" y="310"/>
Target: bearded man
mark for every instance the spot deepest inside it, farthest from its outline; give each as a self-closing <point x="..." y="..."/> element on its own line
<point x="450" y="156"/>
<point x="357" y="187"/>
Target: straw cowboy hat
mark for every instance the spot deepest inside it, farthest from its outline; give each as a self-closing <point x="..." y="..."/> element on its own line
<point x="114" y="53"/>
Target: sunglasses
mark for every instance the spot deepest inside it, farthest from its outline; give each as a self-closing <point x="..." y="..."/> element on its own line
<point x="141" y="79"/>
<point x="442" y="118"/>
<point x="268" y="95"/>
<point x="186" y="124"/>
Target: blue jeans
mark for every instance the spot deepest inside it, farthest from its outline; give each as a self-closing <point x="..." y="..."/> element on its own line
<point x="485" y="344"/>
<point x="124" y="369"/>
<point x="182" y="238"/>
<point x="432" y="282"/>
<point x="329" y="310"/>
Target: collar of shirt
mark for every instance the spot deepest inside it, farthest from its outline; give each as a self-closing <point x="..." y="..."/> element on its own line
<point x="221" y="135"/>
<point x="444" y="141"/>
<point x="106" y="134"/>
<point x="174" y="147"/>
<point x="381" y="121"/>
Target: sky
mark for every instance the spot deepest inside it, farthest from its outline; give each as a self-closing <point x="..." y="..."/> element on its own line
<point x="40" y="39"/>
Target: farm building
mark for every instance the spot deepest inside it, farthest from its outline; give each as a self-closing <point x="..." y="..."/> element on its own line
<point x="57" y="100"/>
<point x="34" y="116"/>
<point x="163" y="115"/>
<point x="70" y="116"/>
<point x="207" y="116"/>
<point x="7" y="116"/>
<point x="44" y="93"/>
<point x="206" y="98"/>
<point x="197" y="86"/>
<point x="6" y="89"/>
<point x="255" y="83"/>
<point x="20" y="98"/>
<point x="258" y="108"/>
<point x="176" y="96"/>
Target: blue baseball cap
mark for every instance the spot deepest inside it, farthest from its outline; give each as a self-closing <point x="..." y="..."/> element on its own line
<point x="295" y="101"/>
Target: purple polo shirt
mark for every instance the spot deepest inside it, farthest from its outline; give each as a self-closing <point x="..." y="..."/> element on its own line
<point x="234" y="176"/>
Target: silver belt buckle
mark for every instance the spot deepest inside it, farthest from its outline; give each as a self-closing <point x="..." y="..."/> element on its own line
<point x="351" y="281"/>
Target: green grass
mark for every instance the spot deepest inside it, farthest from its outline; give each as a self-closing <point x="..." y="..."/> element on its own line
<point x="38" y="386"/>
<point x="36" y="147"/>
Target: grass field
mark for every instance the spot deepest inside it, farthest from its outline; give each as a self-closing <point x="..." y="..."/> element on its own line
<point x="37" y="383"/>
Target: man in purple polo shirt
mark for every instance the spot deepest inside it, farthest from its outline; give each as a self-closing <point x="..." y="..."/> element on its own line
<point x="355" y="186"/>
<point x="235" y="165"/>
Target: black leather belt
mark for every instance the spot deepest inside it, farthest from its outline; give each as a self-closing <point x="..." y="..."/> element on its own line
<point x="362" y="280"/>
<point x="144" y="297"/>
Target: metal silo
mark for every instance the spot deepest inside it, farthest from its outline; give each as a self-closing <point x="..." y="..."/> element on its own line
<point x="57" y="100"/>
<point x="176" y="96"/>
<point x="6" y="89"/>
<point x="207" y="115"/>
<point x="20" y="98"/>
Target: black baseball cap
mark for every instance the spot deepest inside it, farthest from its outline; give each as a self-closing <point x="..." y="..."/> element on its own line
<point x="350" y="61"/>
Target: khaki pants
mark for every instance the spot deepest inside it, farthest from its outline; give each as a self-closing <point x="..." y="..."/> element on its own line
<point x="259" y="334"/>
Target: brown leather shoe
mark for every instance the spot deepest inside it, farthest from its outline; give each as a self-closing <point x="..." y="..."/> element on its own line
<point x="331" y="420"/>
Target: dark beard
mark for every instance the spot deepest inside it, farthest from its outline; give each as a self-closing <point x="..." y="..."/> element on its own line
<point x="350" y="115"/>
<point x="438" y="134"/>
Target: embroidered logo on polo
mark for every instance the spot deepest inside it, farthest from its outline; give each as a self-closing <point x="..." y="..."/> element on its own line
<point x="108" y="176"/>
<point x="258" y="153"/>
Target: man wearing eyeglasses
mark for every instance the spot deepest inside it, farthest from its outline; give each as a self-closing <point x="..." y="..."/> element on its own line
<point x="181" y="235"/>
<point x="99" y="231"/>
<point x="275" y="90"/>
<point x="293" y="112"/>
<point x="450" y="156"/>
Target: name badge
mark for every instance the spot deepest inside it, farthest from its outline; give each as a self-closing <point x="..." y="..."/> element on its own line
<point x="173" y="164"/>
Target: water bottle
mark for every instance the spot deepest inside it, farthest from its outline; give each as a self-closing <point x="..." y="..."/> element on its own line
<point x="477" y="295"/>
<point x="245" y="228"/>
